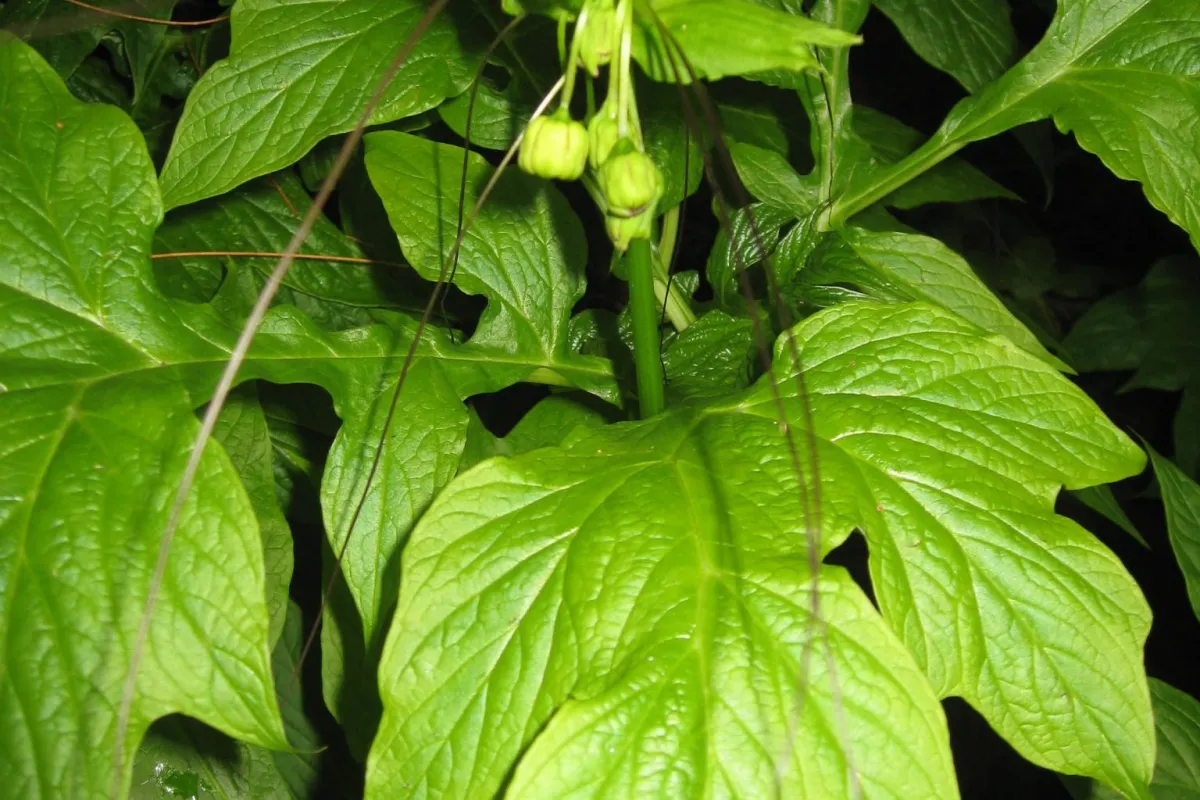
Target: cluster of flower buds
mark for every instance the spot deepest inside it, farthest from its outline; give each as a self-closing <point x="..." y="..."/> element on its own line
<point x="558" y="147"/>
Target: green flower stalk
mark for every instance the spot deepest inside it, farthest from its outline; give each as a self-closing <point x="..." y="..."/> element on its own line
<point x="555" y="147"/>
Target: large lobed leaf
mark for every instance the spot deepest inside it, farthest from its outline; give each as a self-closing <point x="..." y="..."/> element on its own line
<point x="298" y="71"/>
<point x="102" y="375"/>
<point x="627" y="613"/>
<point x="95" y="439"/>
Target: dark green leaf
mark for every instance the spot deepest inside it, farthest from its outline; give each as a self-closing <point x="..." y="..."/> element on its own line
<point x="709" y="358"/>
<point x="1150" y="329"/>
<point x="1120" y="74"/>
<point x="1101" y="500"/>
<point x="973" y="40"/>
<point x="1181" y="498"/>
<point x="261" y="218"/>
<point x="298" y="72"/>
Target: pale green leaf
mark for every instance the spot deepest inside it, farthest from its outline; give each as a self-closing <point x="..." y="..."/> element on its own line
<point x="526" y="253"/>
<point x="538" y="589"/>
<point x="643" y="609"/>
<point x="301" y="70"/>
<point x="1181" y="498"/>
<point x="547" y="424"/>
<point x="961" y="442"/>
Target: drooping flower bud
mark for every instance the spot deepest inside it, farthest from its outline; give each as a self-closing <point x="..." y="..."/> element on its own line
<point x="623" y="230"/>
<point x="630" y="181"/>
<point x="603" y="135"/>
<point x="555" y="147"/>
<point x="597" y="38"/>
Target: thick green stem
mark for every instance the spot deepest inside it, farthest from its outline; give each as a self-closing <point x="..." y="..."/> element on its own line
<point x="644" y="306"/>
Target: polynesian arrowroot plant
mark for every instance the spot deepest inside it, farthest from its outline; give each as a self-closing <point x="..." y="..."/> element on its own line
<point x="285" y="510"/>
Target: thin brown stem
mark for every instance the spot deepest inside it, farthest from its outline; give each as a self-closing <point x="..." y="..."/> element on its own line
<point x="112" y="12"/>
<point x="268" y="254"/>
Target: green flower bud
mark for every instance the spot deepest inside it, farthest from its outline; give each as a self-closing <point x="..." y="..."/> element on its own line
<point x="597" y="39"/>
<point x="623" y="230"/>
<point x="554" y="147"/>
<point x="603" y="135"/>
<point x="630" y="181"/>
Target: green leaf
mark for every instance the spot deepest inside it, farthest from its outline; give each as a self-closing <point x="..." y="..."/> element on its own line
<point x="952" y="181"/>
<point x="261" y="217"/>
<point x="1187" y="432"/>
<point x="903" y="267"/>
<point x="1102" y="500"/>
<point x="1177" y="770"/>
<point x="525" y="253"/>
<point x="547" y="424"/>
<point x="1177" y="721"/>
<point x="551" y="580"/>
<point x="725" y="37"/>
<point x="752" y="236"/>
<point x="1120" y="74"/>
<point x="711" y="357"/>
<point x="1149" y="328"/>
<point x="182" y="758"/>
<point x="48" y="26"/>
<point x="497" y="117"/>
<point x="1181" y="499"/>
<point x="768" y="176"/>
<point x="655" y="664"/>
<point x="973" y="41"/>
<point x="95" y="440"/>
<point x="242" y="431"/>
<point x="299" y="71"/>
<point x="837" y="154"/>
<point x="874" y="141"/>
<point x="751" y="123"/>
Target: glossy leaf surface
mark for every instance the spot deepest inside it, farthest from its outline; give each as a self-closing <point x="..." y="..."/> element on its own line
<point x="514" y="620"/>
